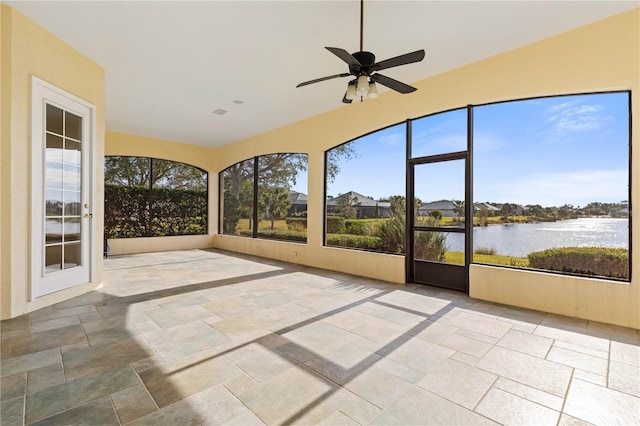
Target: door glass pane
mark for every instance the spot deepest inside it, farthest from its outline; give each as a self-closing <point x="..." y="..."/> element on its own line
<point x="72" y="229"/>
<point x="72" y="126"/>
<point x="443" y="247"/>
<point x="72" y="152"/>
<point x="53" y="202"/>
<point x="53" y="230"/>
<point x="439" y="133"/>
<point x="439" y="191"/>
<point x="72" y="203"/>
<point x="53" y="258"/>
<point x="71" y="255"/>
<point x="54" y="145"/>
<point x="71" y="177"/>
<point x="54" y="119"/>
<point x="63" y="197"/>
<point x="53" y="175"/>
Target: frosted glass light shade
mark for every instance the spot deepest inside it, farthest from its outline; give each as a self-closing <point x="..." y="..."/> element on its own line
<point x="351" y="92"/>
<point x="363" y="84"/>
<point x="373" y="91"/>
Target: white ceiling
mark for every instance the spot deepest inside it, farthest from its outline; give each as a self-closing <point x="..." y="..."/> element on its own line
<point x="170" y="64"/>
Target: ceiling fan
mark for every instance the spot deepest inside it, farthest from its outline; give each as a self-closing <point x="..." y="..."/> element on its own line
<point x="364" y="68"/>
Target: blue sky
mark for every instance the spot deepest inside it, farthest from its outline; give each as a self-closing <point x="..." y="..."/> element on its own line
<point x="548" y="151"/>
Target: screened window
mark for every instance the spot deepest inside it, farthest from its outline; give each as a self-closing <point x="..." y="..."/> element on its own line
<point x="365" y="187"/>
<point x="266" y="197"/>
<point x="551" y="184"/>
<point x="149" y="197"/>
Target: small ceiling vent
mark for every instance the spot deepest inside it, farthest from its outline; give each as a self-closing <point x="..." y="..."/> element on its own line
<point x="220" y="111"/>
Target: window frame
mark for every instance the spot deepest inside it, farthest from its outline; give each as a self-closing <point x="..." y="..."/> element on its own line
<point x="255" y="196"/>
<point x="470" y="152"/>
<point x="150" y="195"/>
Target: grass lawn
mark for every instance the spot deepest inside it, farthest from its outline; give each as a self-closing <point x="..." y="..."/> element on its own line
<point x="457" y="258"/>
<point x="279" y="225"/>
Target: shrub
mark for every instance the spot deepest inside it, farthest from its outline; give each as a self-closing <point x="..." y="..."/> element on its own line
<point x="277" y="235"/>
<point x="367" y="242"/>
<point x="486" y="250"/>
<point x="436" y="214"/>
<point x="427" y="245"/>
<point x="297" y="227"/>
<point x="356" y="227"/>
<point x="336" y="225"/>
<point x="599" y="261"/>
<point x="134" y="211"/>
<point x="296" y="223"/>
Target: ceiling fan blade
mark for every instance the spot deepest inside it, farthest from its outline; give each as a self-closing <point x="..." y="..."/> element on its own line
<point x="393" y="84"/>
<point x="345" y="100"/>
<point x="345" y="56"/>
<point x="318" y="80"/>
<point x="407" y="58"/>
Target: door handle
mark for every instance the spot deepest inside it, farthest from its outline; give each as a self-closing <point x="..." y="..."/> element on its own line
<point x="88" y="215"/>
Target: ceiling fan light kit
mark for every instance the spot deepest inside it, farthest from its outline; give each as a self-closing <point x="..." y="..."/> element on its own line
<point x="363" y="66"/>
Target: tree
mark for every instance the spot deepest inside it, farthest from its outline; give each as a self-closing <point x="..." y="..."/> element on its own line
<point x="143" y="171"/>
<point x="335" y="156"/>
<point x="274" y="202"/>
<point x="536" y="210"/>
<point x="436" y="214"/>
<point x="345" y="208"/>
<point x="458" y="207"/>
<point x="506" y="210"/>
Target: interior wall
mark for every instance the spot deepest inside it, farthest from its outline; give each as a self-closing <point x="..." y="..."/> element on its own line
<point x="29" y="50"/>
<point x="202" y="157"/>
<point x="602" y="56"/>
<point x="598" y="57"/>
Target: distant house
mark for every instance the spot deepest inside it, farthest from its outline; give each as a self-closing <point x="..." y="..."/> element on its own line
<point x="365" y="207"/>
<point x="619" y="213"/>
<point x="517" y="211"/>
<point x="298" y="203"/>
<point x="445" y="206"/>
<point x="490" y="208"/>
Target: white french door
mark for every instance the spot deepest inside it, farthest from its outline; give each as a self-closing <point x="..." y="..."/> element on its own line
<point x="62" y="195"/>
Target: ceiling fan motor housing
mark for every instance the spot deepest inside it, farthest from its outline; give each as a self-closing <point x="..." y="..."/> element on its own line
<point x="366" y="59"/>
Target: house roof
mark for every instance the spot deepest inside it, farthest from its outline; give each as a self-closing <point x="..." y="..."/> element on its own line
<point x="296" y="197"/>
<point x="183" y="60"/>
<point x="438" y="205"/>
<point x="486" y="206"/>
<point x="357" y="200"/>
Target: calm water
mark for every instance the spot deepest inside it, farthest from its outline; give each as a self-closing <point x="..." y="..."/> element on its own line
<point x="520" y="239"/>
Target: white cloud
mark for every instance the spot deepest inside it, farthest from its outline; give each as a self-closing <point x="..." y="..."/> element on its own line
<point x="555" y="189"/>
<point x="392" y="139"/>
<point x="571" y="117"/>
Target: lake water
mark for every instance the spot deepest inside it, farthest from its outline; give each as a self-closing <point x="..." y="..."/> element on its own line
<point x="518" y="240"/>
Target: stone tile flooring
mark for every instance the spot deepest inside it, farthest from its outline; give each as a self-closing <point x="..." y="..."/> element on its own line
<point x="208" y="337"/>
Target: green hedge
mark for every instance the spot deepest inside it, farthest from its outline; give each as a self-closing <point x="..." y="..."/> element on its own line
<point x="356" y="227"/>
<point x="336" y="225"/>
<point x="598" y="261"/>
<point x="277" y="235"/>
<point x="174" y="211"/>
<point x="367" y="242"/>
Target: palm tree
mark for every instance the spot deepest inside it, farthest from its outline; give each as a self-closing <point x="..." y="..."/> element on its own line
<point x="458" y="207"/>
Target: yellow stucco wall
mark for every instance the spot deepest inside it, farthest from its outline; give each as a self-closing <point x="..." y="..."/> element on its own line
<point x="29" y="50"/>
<point x="599" y="57"/>
<point x="205" y="158"/>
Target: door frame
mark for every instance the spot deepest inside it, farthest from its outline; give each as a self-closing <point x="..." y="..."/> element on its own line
<point x="444" y="274"/>
<point x="41" y="93"/>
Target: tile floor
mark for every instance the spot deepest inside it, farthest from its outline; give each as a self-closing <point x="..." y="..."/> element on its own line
<point x="208" y="337"/>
